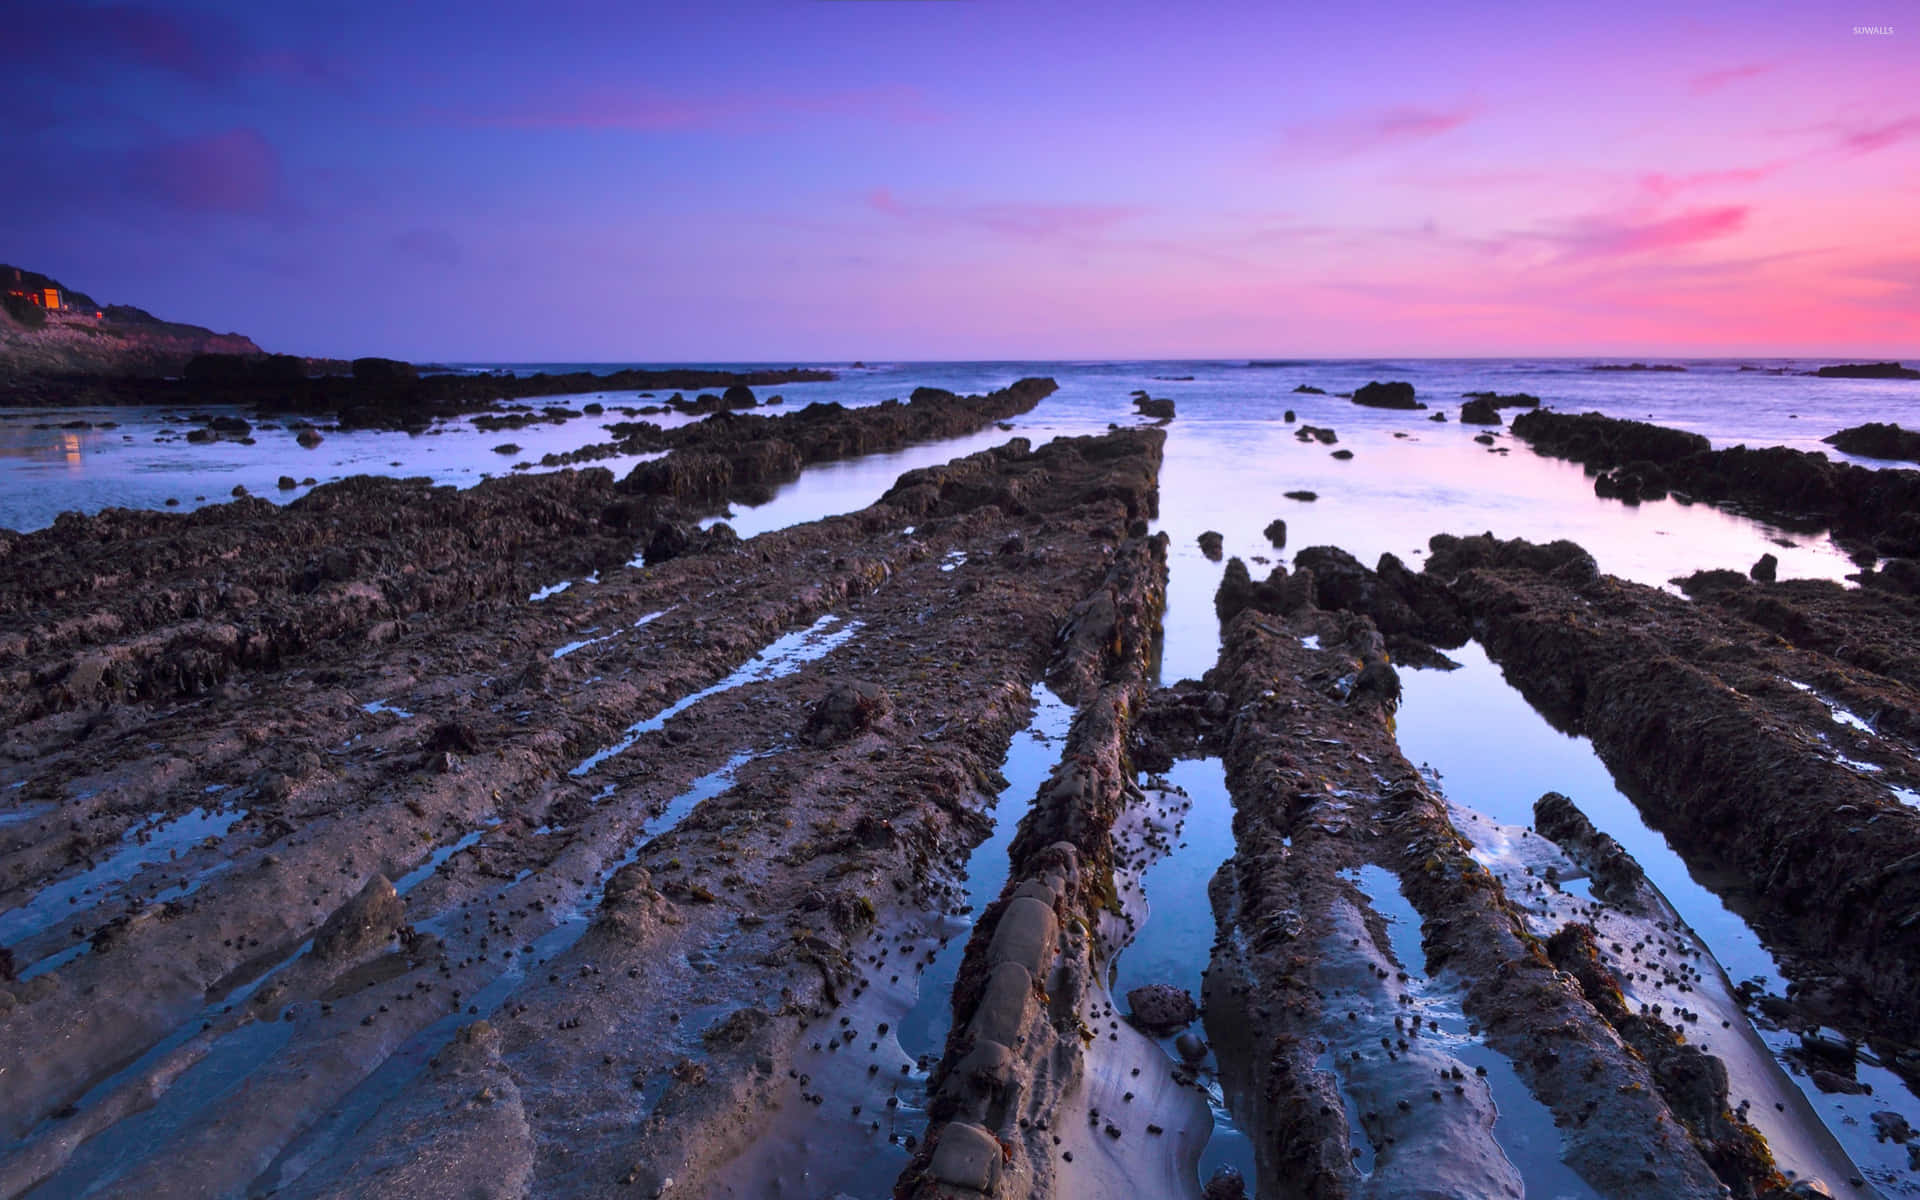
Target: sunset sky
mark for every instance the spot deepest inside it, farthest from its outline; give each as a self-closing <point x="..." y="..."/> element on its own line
<point x="890" y="179"/>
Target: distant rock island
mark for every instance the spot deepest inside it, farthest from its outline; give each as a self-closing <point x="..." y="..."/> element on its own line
<point x="1885" y="370"/>
<point x="1638" y="366"/>
<point x="47" y="328"/>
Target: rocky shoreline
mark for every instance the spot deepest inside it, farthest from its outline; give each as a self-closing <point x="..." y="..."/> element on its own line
<point x="546" y="839"/>
<point x="370" y="393"/>
<point x="1875" y="512"/>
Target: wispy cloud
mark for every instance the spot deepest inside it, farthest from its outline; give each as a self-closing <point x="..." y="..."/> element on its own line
<point x="236" y="173"/>
<point x="1359" y="133"/>
<point x="432" y="247"/>
<point x="1040" y="222"/>
<point x="643" y="110"/>
<point x="1864" y="139"/>
<point x="90" y="42"/>
<point x="1713" y="81"/>
<point x="1661" y="185"/>
<point x="1618" y="235"/>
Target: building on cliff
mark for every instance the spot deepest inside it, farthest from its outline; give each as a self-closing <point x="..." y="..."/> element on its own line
<point x="50" y="298"/>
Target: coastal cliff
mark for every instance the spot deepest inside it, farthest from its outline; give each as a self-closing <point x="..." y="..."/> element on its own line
<point x="49" y="329"/>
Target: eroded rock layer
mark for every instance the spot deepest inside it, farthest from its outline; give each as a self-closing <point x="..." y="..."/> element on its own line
<point x="1334" y="1041"/>
<point x="483" y="884"/>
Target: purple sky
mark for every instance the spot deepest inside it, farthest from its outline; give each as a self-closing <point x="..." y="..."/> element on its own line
<point x="831" y="179"/>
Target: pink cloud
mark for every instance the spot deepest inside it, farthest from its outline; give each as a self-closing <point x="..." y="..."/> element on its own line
<point x="236" y="173"/>
<point x="1713" y="81"/>
<point x="1612" y="236"/>
<point x="1043" y="222"/>
<point x="1662" y="186"/>
<point x="1360" y="132"/>
<point x="1866" y="139"/>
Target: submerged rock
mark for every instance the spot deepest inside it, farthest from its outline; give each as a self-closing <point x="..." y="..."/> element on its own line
<point x="1225" y="1184"/>
<point x="1162" y="1007"/>
<point x="1191" y="1047"/>
<point x="1210" y="544"/>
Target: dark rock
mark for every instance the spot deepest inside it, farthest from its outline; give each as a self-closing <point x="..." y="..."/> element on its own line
<point x="1276" y="532"/>
<point x="453" y="735"/>
<point x="1210" y="544"/>
<point x="287" y="483"/>
<point x="1485" y="439"/>
<point x="1386" y="395"/>
<point x="1898" y="575"/>
<point x="1801" y="489"/>
<point x="1280" y="593"/>
<point x="1191" y="1047"/>
<point x="1161" y="410"/>
<point x="1306" y="390"/>
<point x="362" y="924"/>
<point x="202" y="436"/>
<point x="1343" y="455"/>
<point x="239" y="489"/>
<point x="1511" y="400"/>
<point x="850" y="706"/>
<point x="1885" y="370"/>
<point x="1892" y="1126"/>
<point x="1301" y="495"/>
<point x="1480" y="412"/>
<point x="1832" y="1083"/>
<point x="1439" y="416"/>
<point x="1766" y="569"/>
<point x="310" y="438"/>
<point x="1287" y="416"/>
<point x="507" y="448"/>
<point x="1162" y="1008"/>
<point x="382" y="373"/>
<point x="230" y="426"/>
<point x="1877" y="440"/>
<point x="1378" y="684"/>
<point x="1450" y="557"/>
<point x="738" y="396"/>
<point x="1326" y="437"/>
<point x="1226" y="1183"/>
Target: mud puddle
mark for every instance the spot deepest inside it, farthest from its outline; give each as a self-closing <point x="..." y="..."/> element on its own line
<point x="780" y="657"/>
<point x="1488" y="746"/>
<point x="583" y="643"/>
<point x="857" y="1127"/>
<point x="343" y="1121"/>
<point x="1173" y="939"/>
<point x="1030" y="759"/>
<point x="1523" y="1127"/>
<point x="159" y="839"/>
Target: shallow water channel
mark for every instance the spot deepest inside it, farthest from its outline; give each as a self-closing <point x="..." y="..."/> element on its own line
<point x="1491" y="751"/>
